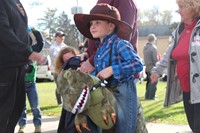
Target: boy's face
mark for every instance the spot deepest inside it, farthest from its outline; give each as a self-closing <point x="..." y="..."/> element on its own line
<point x="100" y="28"/>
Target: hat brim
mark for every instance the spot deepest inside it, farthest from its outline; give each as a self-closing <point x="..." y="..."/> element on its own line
<point x="60" y="35"/>
<point x="82" y="23"/>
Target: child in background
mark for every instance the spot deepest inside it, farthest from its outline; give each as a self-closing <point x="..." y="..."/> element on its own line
<point x="37" y="44"/>
<point x="65" y="54"/>
<point x="115" y="60"/>
<point x="67" y="59"/>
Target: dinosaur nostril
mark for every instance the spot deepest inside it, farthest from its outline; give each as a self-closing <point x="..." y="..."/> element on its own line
<point x="67" y="74"/>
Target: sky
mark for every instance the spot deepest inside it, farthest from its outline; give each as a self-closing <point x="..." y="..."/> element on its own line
<point x="65" y="5"/>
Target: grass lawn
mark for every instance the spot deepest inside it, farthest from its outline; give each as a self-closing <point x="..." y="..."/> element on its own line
<point x="153" y="109"/>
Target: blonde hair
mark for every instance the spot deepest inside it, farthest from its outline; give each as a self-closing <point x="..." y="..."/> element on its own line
<point x="194" y="5"/>
<point x="59" y="60"/>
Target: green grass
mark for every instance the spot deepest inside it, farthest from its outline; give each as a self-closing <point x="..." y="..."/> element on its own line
<point x="47" y="99"/>
<point x="153" y="110"/>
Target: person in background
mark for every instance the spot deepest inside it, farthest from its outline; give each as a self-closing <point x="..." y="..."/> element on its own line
<point x="182" y="61"/>
<point x="115" y="60"/>
<point x="67" y="55"/>
<point x="14" y="54"/>
<point x="55" y="48"/>
<point x="131" y="19"/>
<point x="30" y="84"/>
<point x="150" y="58"/>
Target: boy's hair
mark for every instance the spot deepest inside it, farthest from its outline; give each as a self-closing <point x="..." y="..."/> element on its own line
<point x="103" y="12"/>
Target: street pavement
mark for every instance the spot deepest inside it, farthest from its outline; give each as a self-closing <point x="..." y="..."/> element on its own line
<point x="50" y="124"/>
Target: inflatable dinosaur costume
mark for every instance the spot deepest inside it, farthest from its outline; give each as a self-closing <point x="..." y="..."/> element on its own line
<point x="84" y="94"/>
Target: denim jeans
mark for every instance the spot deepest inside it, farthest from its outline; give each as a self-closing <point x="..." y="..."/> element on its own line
<point x="150" y="88"/>
<point x="32" y="95"/>
<point x="127" y="106"/>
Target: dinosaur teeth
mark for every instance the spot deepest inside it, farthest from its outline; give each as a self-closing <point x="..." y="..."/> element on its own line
<point x="81" y="102"/>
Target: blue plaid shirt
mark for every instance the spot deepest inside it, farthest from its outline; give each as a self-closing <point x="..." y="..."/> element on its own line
<point x="125" y="61"/>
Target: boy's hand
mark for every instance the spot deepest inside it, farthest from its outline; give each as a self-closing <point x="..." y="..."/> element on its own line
<point x="105" y="73"/>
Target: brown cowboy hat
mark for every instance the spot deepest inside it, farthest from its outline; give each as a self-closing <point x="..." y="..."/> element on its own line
<point x="106" y="12"/>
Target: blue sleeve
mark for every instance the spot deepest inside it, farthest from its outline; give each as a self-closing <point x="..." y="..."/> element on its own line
<point x="130" y="63"/>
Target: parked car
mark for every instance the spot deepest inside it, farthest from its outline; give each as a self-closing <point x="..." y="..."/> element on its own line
<point x="43" y="72"/>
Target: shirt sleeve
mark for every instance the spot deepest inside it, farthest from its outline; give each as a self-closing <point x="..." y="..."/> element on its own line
<point x="130" y="64"/>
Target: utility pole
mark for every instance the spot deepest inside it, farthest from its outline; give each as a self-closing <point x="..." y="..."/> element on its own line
<point x="74" y="10"/>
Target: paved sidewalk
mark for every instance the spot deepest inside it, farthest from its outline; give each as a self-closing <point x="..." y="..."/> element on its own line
<point x="166" y="128"/>
<point x="50" y="124"/>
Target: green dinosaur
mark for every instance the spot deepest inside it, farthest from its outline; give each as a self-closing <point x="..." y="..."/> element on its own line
<point x="84" y="96"/>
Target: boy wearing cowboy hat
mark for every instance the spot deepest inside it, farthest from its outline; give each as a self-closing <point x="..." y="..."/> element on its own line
<point x="115" y="60"/>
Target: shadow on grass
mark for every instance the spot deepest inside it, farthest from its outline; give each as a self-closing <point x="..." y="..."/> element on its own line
<point x="155" y="111"/>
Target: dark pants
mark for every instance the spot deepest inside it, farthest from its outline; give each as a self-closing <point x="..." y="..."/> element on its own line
<point x="58" y="96"/>
<point x="67" y="125"/>
<point x="150" y="88"/>
<point x="192" y="112"/>
<point x="12" y="98"/>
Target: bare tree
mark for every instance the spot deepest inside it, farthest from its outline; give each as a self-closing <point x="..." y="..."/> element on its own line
<point x="166" y="17"/>
<point x="48" y="22"/>
<point x="36" y="3"/>
<point x="51" y="22"/>
<point x="154" y="17"/>
<point x="63" y="22"/>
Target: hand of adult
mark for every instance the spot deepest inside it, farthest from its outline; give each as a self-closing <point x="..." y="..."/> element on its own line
<point x="154" y="77"/>
<point x="83" y="56"/>
<point x="39" y="58"/>
<point x="86" y="67"/>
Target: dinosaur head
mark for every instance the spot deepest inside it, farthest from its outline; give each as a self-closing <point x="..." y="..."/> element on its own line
<point x="74" y="87"/>
<point x="82" y="92"/>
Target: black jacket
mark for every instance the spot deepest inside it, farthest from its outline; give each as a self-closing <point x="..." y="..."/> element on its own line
<point x="40" y="41"/>
<point x="14" y="37"/>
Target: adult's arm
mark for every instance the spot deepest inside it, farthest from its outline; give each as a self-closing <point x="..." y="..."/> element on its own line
<point x="92" y="48"/>
<point x="161" y="65"/>
<point x="14" y="37"/>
